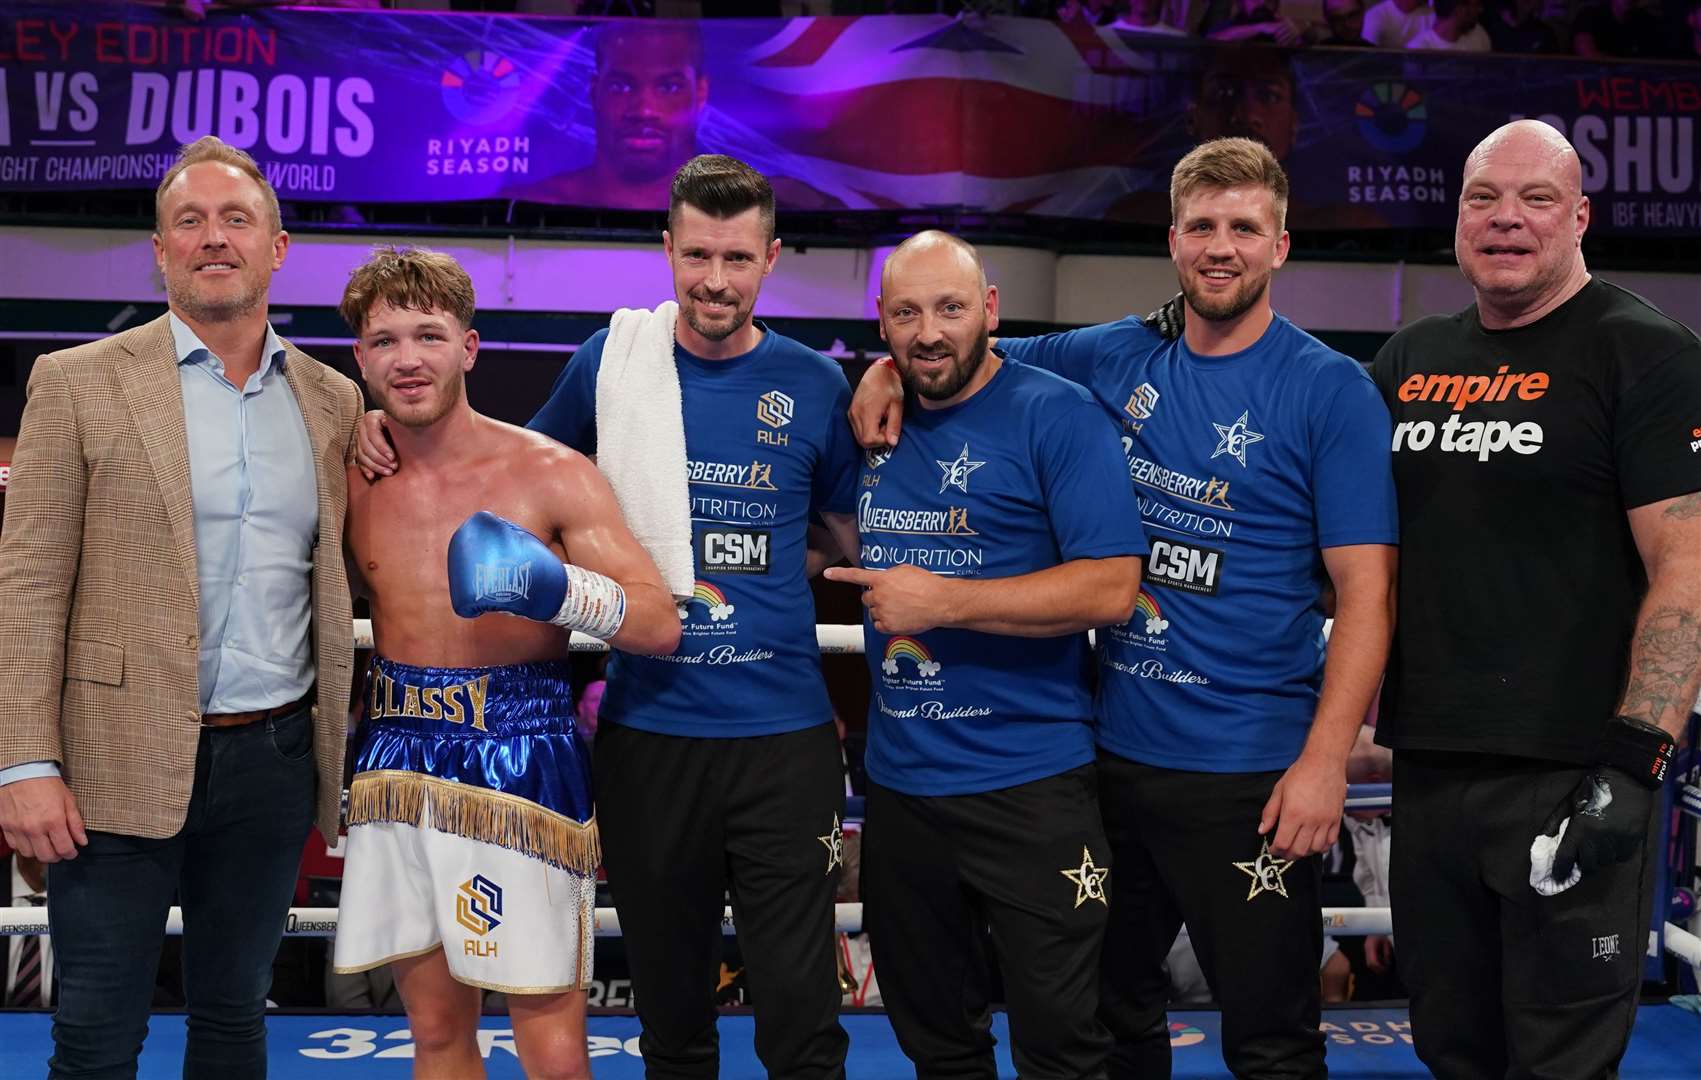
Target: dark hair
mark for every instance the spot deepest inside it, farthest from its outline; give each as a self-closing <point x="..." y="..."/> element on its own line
<point x="680" y="40"/>
<point x="415" y="279"/>
<point x="1444" y="8"/>
<point x="721" y="187"/>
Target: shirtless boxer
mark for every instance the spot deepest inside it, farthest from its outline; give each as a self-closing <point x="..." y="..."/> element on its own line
<point x="472" y="843"/>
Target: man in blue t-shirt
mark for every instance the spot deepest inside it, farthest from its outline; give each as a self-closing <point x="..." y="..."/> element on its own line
<point x="999" y="530"/>
<point x="717" y="768"/>
<point x="1260" y="459"/>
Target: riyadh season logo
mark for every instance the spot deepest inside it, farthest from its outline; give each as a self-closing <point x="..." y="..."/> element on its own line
<point x="1392" y="117"/>
<point x="480" y="87"/>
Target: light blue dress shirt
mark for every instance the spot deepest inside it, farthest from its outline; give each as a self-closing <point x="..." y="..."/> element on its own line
<point x="256" y="506"/>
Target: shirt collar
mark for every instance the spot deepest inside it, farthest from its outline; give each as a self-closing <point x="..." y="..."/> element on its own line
<point x="192" y="350"/>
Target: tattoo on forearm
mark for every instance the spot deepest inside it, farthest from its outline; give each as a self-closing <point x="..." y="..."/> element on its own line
<point x="1685" y="508"/>
<point x="1666" y="653"/>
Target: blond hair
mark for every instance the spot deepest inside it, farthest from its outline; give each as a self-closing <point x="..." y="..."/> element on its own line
<point x="411" y="278"/>
<point x="1221" y="164"/>
<point x="212" y="148"/>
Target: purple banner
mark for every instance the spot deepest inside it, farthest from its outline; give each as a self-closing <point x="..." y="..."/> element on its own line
<point x="873" y="113"/>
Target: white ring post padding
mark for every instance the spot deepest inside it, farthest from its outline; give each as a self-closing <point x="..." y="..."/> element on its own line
<point x="841" y="638"/>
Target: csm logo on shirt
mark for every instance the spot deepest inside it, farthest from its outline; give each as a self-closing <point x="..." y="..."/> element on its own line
<point x="1185" y="566"/>
<point x="733" y="551"/>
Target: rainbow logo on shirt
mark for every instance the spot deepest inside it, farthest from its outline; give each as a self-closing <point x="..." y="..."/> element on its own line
<point x="713" y="600"/>
<point x="1147" y="608"/>
<point x="925" y="664"/>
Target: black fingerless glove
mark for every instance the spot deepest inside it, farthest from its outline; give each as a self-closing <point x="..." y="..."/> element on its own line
<point x="1170" y="319"/>
<point x="1609" y="807"/>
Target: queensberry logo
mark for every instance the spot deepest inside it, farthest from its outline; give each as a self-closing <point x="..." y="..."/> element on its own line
<point x="1185" y="566"/>
<point x="477" y="903"/>
<point x="480" y="87"/>
<point x="733" y="551"/>
<point x="1392" y="117"/>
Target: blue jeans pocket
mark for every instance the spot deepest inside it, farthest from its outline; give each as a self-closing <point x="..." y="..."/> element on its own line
<point x="291" y="735"/>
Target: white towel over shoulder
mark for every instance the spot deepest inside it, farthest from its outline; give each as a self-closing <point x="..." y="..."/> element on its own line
<point x="641" y="438"/>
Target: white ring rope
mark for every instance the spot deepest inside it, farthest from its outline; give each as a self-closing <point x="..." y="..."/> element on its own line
<point x="842" y="638"/>
<point x="322" y="923"/>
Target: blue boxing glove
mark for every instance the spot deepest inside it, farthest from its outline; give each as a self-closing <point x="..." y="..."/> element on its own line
<point x="494" y="565"/>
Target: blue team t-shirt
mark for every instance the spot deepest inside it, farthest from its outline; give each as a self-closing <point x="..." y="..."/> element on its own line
<point x="1244" y="467"/>
<point x="767" y="442"/>
<point x="1020" y="477"/>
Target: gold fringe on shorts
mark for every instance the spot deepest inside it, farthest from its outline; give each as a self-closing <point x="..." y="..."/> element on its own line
<point x="493" y="817"/>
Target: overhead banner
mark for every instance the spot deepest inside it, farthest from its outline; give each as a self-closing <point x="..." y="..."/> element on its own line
<point x="997" y="115"/>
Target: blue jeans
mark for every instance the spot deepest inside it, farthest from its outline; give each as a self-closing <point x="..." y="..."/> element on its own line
<point x="232" y="868"/>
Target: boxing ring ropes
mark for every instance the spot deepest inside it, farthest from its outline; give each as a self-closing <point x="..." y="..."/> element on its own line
<point x="847" y="639"/>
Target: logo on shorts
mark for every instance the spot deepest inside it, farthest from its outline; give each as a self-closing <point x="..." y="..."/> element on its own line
<point x="477" y="903"/>
<point x="503" y="582"/>
<point x="1604" y="948"/>
<point x="1694" y="448"/>
<point x="1233" y="439"/>
<point x="1088" y="879"/>
<point x="1140" y="405"/>
<point x="774" y="409"/>
<point x="1266" y="873"/>
<point x="835" y="842"/>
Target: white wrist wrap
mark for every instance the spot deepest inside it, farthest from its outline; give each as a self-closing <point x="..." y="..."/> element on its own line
<point x="595" y="605"/>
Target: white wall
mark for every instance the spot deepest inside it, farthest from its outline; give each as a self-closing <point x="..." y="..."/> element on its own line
<point x="560" y="276"/>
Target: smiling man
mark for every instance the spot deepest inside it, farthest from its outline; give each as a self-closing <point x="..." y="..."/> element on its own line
<point x="999" y="529"/>
<point x="175" y="634"/>
<point x="1260" y="460"/>
<point x="472" y="850"/>
<point x="1544" y="451"/>
<point x="717" y="768"/>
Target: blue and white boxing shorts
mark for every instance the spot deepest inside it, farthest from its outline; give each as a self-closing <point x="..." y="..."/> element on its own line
<point x="471" y="828"/>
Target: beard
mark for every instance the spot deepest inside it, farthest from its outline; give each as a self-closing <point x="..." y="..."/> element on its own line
<point x="716" y="331"/>
<point x="950" y="382"/>
<point x="1219" y="307"/>
<point x="422" y="414"/>
<point x="184" y="296"/>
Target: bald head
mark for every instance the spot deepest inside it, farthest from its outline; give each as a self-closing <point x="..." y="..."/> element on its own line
<point x="937" y="313"/>
<point x="1522" y="216"/>
<point x="933" y="248"/>
<point x="1534" y="142"/>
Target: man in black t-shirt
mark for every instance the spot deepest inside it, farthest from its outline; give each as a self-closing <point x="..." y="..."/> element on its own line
<point x="1549" y="631"/>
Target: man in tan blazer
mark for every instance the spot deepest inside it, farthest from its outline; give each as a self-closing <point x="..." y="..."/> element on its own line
<point x="175" y="634"/>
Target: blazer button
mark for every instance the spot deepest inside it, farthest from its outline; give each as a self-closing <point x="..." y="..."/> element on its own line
<point x="192" y="640"/>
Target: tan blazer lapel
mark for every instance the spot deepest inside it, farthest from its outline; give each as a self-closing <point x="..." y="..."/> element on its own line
<point x="319" y="413"/>
<point x="153" y="390"/>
